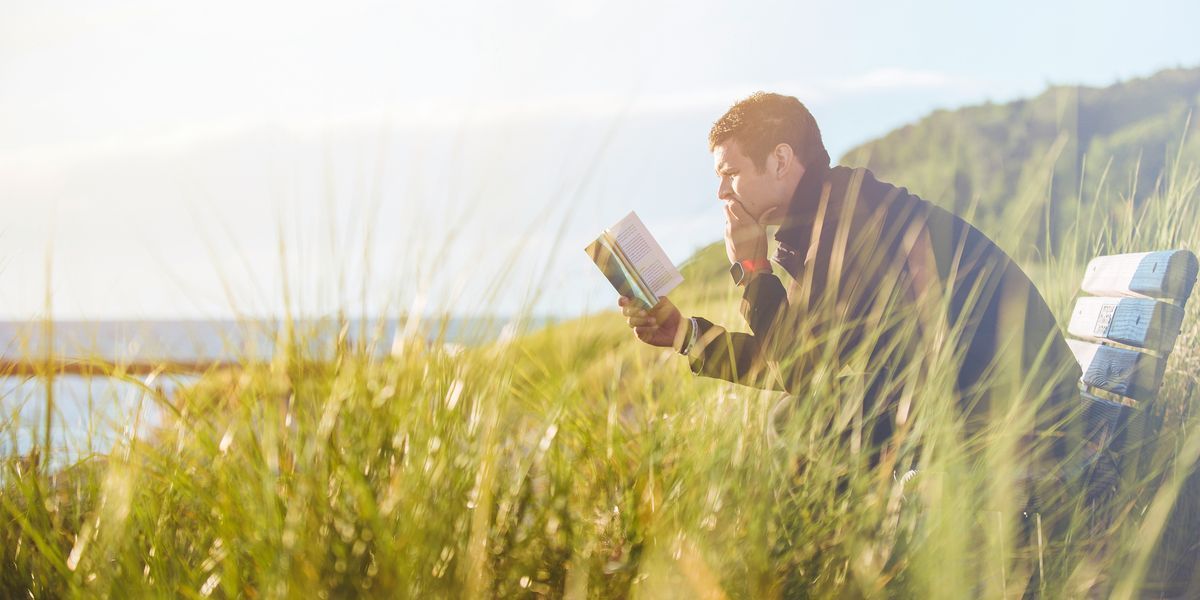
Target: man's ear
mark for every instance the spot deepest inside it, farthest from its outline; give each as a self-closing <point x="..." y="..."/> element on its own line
<point x="785" y="160"/>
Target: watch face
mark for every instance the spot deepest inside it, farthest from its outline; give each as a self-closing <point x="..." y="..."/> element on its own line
<point x="737" y="272"/>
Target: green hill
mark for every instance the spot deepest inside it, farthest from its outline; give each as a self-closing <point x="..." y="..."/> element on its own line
<point x="995" y="156"/>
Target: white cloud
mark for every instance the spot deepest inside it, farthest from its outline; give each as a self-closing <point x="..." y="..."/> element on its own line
<point x="897" y="78"/>
<point x="457" y="112"/>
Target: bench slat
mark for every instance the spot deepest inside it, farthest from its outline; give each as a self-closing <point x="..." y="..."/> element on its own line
<point x="1105" y="424"/>
<point x="1125" y="372"/>
<point x="1165" y="274"/>
<point x="1108" y="420"/>
<point x="1140" y="322"/>
<point x="1114" y="432"/>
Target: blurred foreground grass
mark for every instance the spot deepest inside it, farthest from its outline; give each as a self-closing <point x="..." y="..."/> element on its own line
<point x="575" y="462"/>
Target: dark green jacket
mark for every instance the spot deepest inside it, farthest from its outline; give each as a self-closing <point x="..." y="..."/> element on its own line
<point x="878" y="280"/>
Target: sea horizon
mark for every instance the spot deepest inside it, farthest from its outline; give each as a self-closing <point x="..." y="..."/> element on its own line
<point x="92" y="413"/>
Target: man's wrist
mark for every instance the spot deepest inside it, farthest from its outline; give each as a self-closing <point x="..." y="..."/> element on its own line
<point x="688" y="339"/>
<point x="743" y="271"/>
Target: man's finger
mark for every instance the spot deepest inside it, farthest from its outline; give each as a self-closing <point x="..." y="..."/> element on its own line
<point x="645" y="333"/>
<point x="739" y="212"/>
<point x="633" y="310"/>
<point x="642" y="321"/>
<point x="731" y="216"/>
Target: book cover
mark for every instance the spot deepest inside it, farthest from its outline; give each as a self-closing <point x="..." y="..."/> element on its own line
<point x="633" y="261"/>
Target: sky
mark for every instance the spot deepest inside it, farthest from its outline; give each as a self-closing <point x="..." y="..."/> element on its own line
<point x="202" y="160"/>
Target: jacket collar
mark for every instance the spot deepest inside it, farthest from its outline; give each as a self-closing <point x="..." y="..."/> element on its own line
<point x="802" y="209"/>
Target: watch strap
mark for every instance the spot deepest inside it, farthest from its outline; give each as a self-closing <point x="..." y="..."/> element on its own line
<point x="755" y="265"/>
<point x="743" y="270"/>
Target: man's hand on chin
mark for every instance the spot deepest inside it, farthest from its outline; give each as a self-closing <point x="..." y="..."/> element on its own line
<point x="745" y="236"/>
<point x="658" y="326"/>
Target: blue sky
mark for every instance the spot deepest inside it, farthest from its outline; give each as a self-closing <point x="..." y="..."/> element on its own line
<point x="157" y="149"/>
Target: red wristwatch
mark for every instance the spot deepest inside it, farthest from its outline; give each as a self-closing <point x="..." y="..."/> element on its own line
<point x="743" y="270"/>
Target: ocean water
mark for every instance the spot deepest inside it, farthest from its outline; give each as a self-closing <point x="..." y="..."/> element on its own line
<point x="90" y="414"/>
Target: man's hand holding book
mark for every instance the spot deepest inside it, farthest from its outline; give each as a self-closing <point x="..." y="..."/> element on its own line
<point x="660" y="326"/>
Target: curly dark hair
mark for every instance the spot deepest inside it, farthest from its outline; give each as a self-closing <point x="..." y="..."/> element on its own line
<point x="763" y="121"/>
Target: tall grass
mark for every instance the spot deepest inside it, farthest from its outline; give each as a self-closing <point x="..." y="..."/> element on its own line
<point x="575" y="462"/>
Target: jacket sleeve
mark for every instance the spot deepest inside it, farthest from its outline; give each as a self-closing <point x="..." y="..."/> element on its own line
<point x="742" y="357"/>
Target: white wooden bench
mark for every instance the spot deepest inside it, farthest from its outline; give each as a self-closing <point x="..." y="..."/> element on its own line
<point x="1126" y="330"/>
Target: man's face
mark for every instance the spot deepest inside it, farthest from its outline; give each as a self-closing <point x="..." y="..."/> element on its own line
<point x="757" y="190"/>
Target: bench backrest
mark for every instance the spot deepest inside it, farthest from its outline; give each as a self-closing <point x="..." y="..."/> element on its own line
<point x="1126" y="330"/>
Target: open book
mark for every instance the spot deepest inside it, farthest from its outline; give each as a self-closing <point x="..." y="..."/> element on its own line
<point x="633" y="261"/>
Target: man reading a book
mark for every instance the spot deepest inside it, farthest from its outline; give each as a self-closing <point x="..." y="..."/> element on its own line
<point x="868" y="281"/>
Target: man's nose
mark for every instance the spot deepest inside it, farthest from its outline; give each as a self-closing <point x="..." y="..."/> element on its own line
<point x="725" y="191"/>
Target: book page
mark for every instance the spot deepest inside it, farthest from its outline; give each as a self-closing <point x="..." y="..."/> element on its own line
<point x="646" y="256"/>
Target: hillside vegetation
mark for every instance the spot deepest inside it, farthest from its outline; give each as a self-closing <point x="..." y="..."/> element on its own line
<point x="1063" y="148"/>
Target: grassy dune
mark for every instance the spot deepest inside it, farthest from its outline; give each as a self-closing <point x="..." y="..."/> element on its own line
<point x="575" y="462"/>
